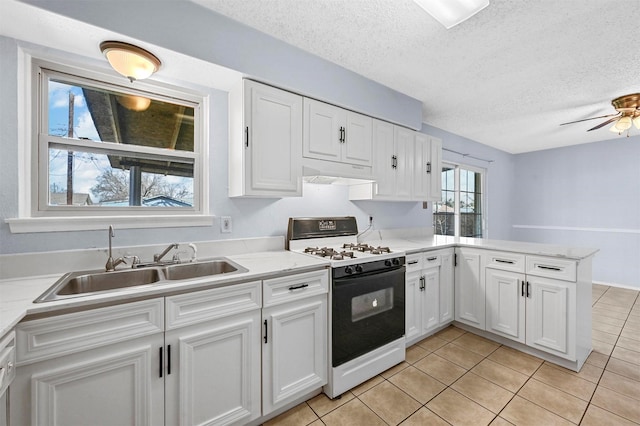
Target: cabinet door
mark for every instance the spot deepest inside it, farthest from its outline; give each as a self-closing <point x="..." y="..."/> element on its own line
<point x="213" y="371"/>
<point x="273" y="145"/>
<point x="404" y="141"/>
<point x="469" y="288"/>
<point x="413" y="307"/>
<point x="434" y="169"/>
<point x="384" y="151"/>
<point x="431" y="314"/>
<point x="505" y="303"/>
<point x="118" y="384"/>
<point x="551" y="314"/>
<point x="294" y="352"/>
<point x="446" y="288"/>
<point x="357" y="146"/>
<point x="323" y="130"/>
<point x="421" y="177"/>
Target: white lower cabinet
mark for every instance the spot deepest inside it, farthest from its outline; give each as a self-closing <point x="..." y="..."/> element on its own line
<point x="294" y="350"/>
<point x="428" y="293"/>
<point x="469" y="288"/>
<point x="198" y="358"/>
<point x="537" y="311"/>
<point x="212" y="368"/>
<point x="505" y="303"/>
<point x="551" y="316"/>
<point x="115" y="382"/>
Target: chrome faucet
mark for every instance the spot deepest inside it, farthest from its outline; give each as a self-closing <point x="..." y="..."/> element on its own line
<point x="111" y="263"/>
<point x="158" y="257"/>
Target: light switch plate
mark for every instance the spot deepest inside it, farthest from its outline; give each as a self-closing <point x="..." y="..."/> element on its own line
<point x="226" y="226"/>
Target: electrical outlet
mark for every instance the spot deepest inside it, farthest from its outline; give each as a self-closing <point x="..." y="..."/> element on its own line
<point x="225" y="224"/>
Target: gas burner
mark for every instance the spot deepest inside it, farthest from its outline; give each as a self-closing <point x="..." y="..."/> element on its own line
<point x="380" y="250"/>
<point x="366" y="248"/>
<point x="311" y="250"/>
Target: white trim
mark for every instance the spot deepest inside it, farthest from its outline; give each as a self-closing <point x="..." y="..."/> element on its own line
<point x="32" y="219"/>
<point x="582" y="229"/>
<point x="90" y="223"/>
<point x="616" y="285"/>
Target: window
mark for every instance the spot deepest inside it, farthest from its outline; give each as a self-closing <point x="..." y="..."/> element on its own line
<point x="460" y="213"/>
<point x="103" y="151"/>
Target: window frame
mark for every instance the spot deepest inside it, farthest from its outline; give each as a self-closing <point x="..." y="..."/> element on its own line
<point x="456" y="207"/>
<point x="34" y="213"/>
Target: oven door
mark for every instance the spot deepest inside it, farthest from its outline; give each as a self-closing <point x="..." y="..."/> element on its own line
<point x="367" y="313"/>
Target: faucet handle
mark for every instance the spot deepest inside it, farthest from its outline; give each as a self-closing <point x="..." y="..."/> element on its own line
<point x="135" y="260"/>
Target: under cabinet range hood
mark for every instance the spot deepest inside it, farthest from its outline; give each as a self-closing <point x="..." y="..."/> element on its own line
<point x="329" y="172"/>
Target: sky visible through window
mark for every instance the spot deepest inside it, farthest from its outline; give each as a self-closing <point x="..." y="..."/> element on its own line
<point x="88" y="167"/>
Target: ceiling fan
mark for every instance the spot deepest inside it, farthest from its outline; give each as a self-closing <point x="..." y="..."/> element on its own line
<point x="628" y="113"/>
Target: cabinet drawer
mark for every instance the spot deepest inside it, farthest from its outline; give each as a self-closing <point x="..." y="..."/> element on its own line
<point x="69" y="333"/>
<point x="294" y="287"/>
<point x="550" y="267"/>
<point x="432" y="260"/>
<point x="192" y="308"/>
<point x="506" y="261"/>
<point x="414" y="262"/>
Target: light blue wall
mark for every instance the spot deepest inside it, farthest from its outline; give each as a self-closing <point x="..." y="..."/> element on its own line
<point x="499" y="177"/>
<point x="188" y="28"/>
<point x="585" y="195"/>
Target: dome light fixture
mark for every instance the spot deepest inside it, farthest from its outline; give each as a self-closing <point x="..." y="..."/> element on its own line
<point x="452" y="12"/>
<point x="131" y="61"/>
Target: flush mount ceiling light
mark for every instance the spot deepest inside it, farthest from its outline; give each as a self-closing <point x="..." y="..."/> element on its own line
<point x="628" y="114"/>
<point x="131" y="61"/>
<point x="452" y="12"/>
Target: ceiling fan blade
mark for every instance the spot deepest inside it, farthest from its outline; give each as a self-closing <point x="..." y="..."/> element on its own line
<point x="611" y="120"/>
<point x="592" y="118"/>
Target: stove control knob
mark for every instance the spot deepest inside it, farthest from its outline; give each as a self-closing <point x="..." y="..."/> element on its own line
<point x="396" y="261"/>
<point x="358" y="268"/>
<point x="387" y="262"/>
<point x="348" y="270"/>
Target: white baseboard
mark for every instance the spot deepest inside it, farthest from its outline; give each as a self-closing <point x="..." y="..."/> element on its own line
<point x="628" y="287"/>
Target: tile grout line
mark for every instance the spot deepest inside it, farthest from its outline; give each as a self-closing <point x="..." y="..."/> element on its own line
<point x="604" y="368"/>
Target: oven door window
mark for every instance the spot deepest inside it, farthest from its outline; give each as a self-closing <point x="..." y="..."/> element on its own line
<point x="374" y="303"/>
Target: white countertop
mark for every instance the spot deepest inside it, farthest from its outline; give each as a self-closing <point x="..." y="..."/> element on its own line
<point x="413" y="245"/>
<point x="17" y="293"/>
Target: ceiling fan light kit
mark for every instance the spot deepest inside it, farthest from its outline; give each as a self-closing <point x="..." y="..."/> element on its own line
<point x="628" y="115"/>
<point x="452" y="12"/>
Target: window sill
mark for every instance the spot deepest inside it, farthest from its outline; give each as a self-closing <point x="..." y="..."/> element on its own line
<point x="61" y="224"/>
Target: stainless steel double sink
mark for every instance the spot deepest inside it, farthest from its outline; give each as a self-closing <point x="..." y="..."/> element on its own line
<point x="84" y="283"/>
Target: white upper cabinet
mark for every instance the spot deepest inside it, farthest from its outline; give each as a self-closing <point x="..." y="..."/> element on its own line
<point x="392" y="165"/>
<point x="427" y="166"/>
<point x="406" y="166"/>
<point x="265" y="144"/>
<point x="335" y="134"/>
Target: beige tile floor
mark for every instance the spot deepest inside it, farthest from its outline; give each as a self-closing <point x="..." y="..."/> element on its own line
<point x="458" y="378"/>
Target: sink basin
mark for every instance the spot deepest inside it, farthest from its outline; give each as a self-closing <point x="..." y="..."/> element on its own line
<point x="75" y="284"/>
<point x="82" y="283"/>
<point x="187" y="271"/>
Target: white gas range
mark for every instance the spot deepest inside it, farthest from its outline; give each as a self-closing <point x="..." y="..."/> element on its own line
<point x="366" y="300"/>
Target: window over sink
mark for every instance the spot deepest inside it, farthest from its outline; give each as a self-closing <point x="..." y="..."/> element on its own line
<point x="102" y="147"/>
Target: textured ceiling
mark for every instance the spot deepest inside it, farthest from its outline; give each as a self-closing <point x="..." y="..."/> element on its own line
<point x="507" y="77"/>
